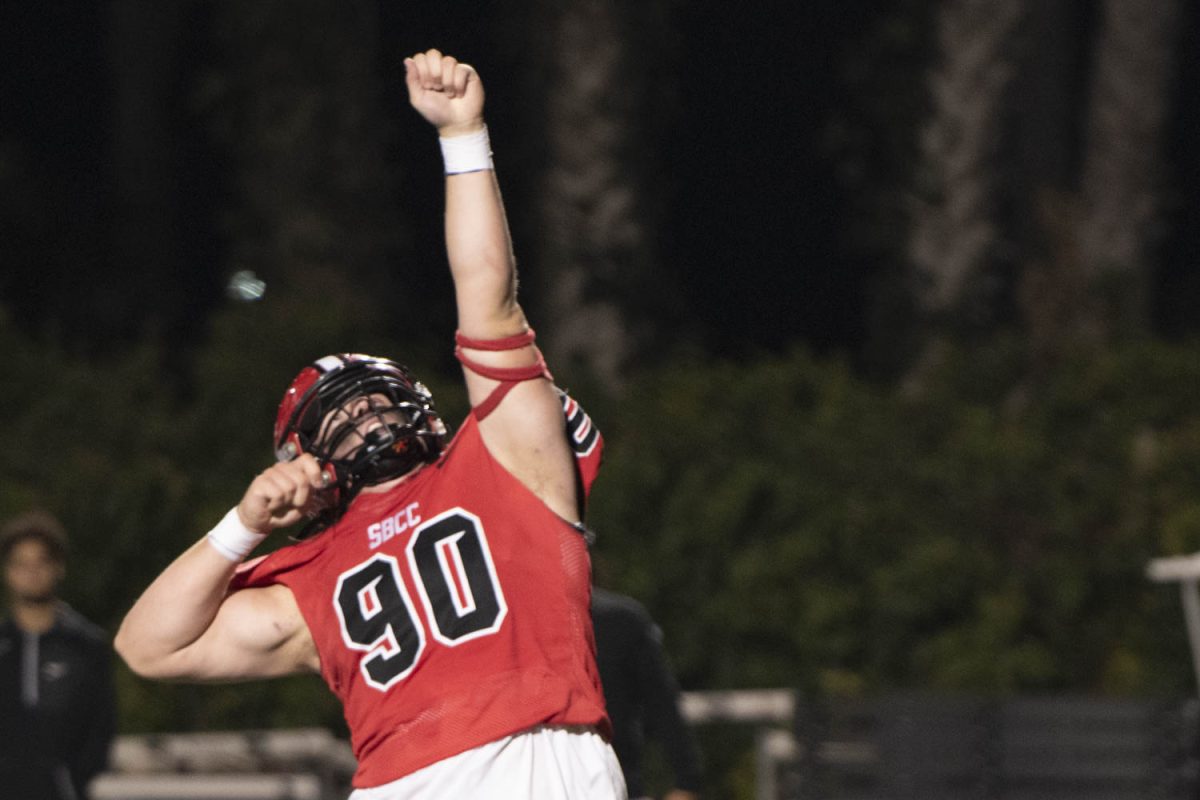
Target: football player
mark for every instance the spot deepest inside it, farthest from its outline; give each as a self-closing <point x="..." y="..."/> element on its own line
<point x="442" y="588"/>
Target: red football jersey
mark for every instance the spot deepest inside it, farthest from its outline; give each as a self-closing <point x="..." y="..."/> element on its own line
<point x="451" y="610"/>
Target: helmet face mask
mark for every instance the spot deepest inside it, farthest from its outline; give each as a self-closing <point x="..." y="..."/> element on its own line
<point x="365" y="419"/>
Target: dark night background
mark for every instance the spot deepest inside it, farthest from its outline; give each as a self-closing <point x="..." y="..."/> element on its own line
<point x="749" y="180"/>
<point x="766" y="107"/>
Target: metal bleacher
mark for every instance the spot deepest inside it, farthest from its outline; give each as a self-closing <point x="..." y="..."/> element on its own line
<point x="948" y="747"/>
<point x="302" y="764"/>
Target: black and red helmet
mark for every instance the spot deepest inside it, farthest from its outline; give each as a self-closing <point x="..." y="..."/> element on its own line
<point x="365" y="419"/>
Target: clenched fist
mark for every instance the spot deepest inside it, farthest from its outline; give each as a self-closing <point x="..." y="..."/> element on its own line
<point x="448" y="94"/>
<point x="280" y="494"/>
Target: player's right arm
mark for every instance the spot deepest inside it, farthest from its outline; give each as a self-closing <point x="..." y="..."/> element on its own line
<point x="188" y="626"/>
<point x="525" y="431"/>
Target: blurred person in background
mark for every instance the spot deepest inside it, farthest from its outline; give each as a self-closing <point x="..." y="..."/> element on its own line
<point x="441" y="586"/>
<point x="642" y="695"/>
<point x="57" y="711"/>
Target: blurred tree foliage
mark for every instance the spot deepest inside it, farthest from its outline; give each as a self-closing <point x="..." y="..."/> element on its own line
<point x="786" y="522"/>
<point x="789" y="524"/>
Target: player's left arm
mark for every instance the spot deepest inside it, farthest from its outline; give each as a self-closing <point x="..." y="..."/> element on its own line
<point x="525" y="433"/>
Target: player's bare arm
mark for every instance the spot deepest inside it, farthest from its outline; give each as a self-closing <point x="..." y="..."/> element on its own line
<point x="188" y="626"/>
<point x="525" y="432"/>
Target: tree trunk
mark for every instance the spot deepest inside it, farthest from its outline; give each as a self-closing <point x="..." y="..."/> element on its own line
<point x="1131" y="87"/>
<point x="595" y="207"/>
<point x="955" y="229"/>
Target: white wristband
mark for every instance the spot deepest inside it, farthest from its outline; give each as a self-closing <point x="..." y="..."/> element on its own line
<point x="471" y="152"/>
<point x="232" y="539"/>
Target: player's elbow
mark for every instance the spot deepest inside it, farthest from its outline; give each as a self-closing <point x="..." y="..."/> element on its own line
<point x="126" y="646"/>
<point x="144" y="661"/>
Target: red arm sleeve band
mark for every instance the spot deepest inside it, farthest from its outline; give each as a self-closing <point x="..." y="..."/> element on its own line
<point x="508" y="376"/>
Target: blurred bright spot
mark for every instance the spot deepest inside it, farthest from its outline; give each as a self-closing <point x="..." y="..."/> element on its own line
<point x="245" y="286"/>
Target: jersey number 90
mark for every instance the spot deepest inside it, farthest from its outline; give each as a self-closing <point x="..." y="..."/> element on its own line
<point x="449" y="563"/>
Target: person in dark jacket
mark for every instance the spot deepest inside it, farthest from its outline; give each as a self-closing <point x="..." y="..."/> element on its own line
<point x="642" y="694"/>
<point x="57" y="711"/>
